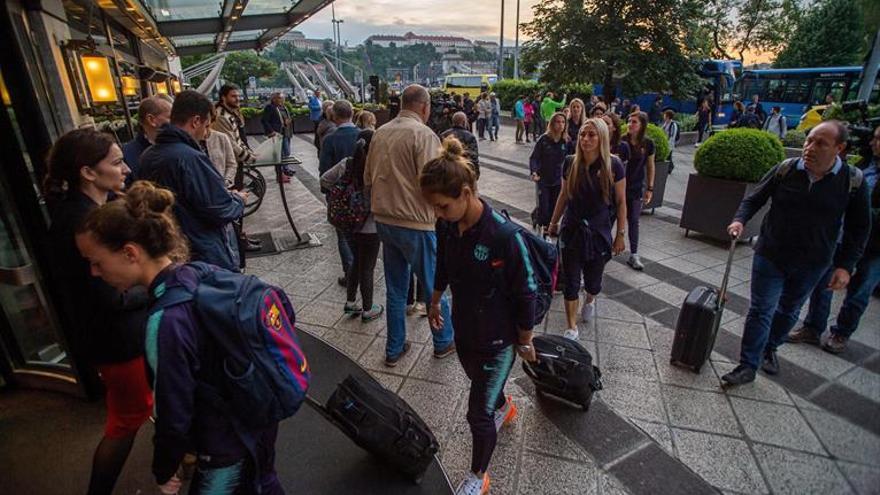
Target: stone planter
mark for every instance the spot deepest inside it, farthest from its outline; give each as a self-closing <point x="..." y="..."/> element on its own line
<point x="661" y="172"/>
<point x="793" y="152"/>
<point x="710" y="203"/>
<point x="253" y="126"/>
<point x="302" y="124"/>
<point x="382" y="117"/>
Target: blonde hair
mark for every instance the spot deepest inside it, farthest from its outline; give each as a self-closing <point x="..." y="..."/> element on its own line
<point x="366" y="120"/>
<point x="550" y="126"/>
<point x="450" y="172"/>
<point x="583" y="114"/>
<point x="580" y="169"/>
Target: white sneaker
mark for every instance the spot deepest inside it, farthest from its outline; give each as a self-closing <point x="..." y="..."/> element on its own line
<point x="635" y="262"/>
<point x="473" y="485"/>
<point x="571" y="334"/>
<point x="588" y="310"/>
<point x="506" y="414"/>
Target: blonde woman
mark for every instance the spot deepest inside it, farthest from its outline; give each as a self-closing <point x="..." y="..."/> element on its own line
<point x="545" y="165"/>
<point x="593" y="183"/>
<point x="576" y="117"/>
<point x="366" y="120"/>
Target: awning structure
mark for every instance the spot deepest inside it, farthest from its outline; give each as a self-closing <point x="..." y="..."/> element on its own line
<point x="205" y="26"/>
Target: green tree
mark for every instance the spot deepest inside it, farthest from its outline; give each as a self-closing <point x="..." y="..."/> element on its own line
<point x="241" y="65"/>
<point x="644" y="45"/>
<point x="733" y="27"/>
<point x="831" y="33"/>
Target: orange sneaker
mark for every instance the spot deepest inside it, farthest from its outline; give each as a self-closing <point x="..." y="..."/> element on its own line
<point x="506" y="414"/>
<point x="473" y="485"/>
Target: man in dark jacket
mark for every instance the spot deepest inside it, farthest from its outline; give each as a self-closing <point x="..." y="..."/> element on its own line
<point x="276" y="121"/>
<point x="467" y="105"/>
<point x="153" y="113"/>
<point x="204" y="207"/>
<point x="460" y="130"/>
<point x="863" y="283"/>
<point x="809" y="201"/>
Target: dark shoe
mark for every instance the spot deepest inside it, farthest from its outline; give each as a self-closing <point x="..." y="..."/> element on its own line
<point x="392" y="362"/>
<point x="740" y="375"/>
<point x="771" y="363"/>
<point x="835" y="344"/>
<point x="442" y="353"/>
<point x="803" y="335"/>
<point x="342" y="281"/>
<point x="352" y="309"/>
<point x="288" y="171"/>
<point x="252" y="247"/>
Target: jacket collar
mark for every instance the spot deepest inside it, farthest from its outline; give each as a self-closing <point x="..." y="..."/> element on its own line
<point x="409" y="114"/>
<point x="170" y="134"/>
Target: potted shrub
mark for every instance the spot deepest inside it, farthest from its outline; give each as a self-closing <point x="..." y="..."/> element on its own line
<point x="661" y="163"/>
<point x="729" y="165"/>
<point x="794" y="143"/>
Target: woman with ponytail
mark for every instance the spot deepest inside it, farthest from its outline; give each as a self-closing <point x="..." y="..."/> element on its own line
<point x="637" y="153"/>
<point x="136" y="241"/>
<point x="593" y="186"/>
<point x="85" y="168"/>
<point x="545" y="165"/>
<point x="492" y="324"/>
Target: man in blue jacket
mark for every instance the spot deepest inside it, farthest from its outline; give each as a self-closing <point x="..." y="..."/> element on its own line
<point x="153" y="113"/>
<point x="204" y="207"/>
<point x="315" y="109"/>
<point x="336" y="146"/>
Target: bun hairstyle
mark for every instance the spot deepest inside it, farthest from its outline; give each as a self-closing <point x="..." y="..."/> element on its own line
<point x="450" y="172"/>
<point x="143" y="217"/>
<point x="71" y="152"/>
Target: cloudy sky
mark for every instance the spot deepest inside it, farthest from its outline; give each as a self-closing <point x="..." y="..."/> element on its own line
<point x="472" y="19"/>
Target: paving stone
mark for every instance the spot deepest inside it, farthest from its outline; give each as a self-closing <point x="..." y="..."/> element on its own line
<point x="541" y="435"/>
<point x="312" y="329"/>
<point x="862" y="381"/>
<point x="660" y="433"/>
<point x="776" y="424"/>
<point x="674" y="375"/>
<point x="320" y="313"/>
<point x="619" y="360"/>
<point x="796" y="473"/>
<point x="351" y="344"/>
<point x="622" y="333"/>
<point x="455" y="455"/>
<point x="865" y="479"/>
<point x="609" y="308"/>
<point x="724" y="462"/>
<point x="761" y="389"/>
<point x="634" y="278"/>
<point x="811" y="358"/>
<point x="844" y="439"/>
<point x="447" y="370"/>
<point x="554" y="475"/>
<point x="373" y="358"/>
<point x="633" y="397"/>
<point x="668" y="293"/>
<point x="699" y="410"/>
<point x="682" y="265"/>
<point x="650" y="467"/>
<point x="435" y="403"/>
<point x="608" y="485"/>
<point x="391" y="382"/>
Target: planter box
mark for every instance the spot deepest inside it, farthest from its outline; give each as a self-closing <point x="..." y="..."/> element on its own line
<point x="253" y="127"/>
<point x="710" y="203"/>
<point x="302" y="124"/>
<point x="382" y="117"/>
<point x="793" y="152"/>
<point x="661" y="172"/>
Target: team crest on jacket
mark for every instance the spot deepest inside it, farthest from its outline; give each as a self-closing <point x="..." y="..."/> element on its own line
<point x="273" y="318"/>
<point x="481" y="252"/>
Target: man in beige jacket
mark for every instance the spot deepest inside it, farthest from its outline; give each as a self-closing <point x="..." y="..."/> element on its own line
<point x="404" y="221"/>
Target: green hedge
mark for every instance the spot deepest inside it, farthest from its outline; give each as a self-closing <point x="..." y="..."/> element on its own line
<point x="739" y="154"/>
<point x="794" y="139"/>
<point x="508" y="90"/>
<point x="687" y="122"/>
<point x="836" y="112"/>
<point x="661" y="142"/>
<point x="254" y="112"/>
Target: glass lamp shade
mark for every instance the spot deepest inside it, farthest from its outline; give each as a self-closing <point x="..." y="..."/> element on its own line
<point x="175" y="85"/>
<point x="99" y="78"/>
<point x="130" y="86"/>
<point x="162" y="88"/>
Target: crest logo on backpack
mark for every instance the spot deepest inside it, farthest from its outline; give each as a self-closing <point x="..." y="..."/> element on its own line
<point x="273" y="318"/>
<point x="481" y="252"/>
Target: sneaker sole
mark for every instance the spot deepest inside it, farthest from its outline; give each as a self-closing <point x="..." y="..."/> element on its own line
<point x="444" y="354"/>
<point x="511" y="415"/>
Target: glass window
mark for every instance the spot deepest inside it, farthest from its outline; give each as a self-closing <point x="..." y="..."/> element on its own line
<point x="796" y="91"/>
<point x="464" y="82"/>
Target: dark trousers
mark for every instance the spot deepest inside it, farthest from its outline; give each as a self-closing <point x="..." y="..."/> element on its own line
<point x="547" y="196"/>
<point x="537" y="126"/>
<point x="577" y="262"/>
<point x="702" y="128"/>
<point x="633" y="215"/>
<point x="858" y="294"/>
<point x="365" y="249"/>
<point x="488" y="372"/>
<point x="481" y="127"/>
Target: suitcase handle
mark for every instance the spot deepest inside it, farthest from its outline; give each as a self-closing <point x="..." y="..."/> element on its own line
<point x="722" y="291"/>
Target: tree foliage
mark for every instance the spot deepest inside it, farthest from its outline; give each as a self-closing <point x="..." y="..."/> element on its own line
<point x="734" y="27"/>
<point x="831" y="33"/>
<point x="241" y="65"/>
<point x="643" y="45"/>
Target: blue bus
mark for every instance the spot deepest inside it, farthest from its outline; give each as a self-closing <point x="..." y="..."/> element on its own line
<point x="796" y="90"/>
<point x="718" y="78"/>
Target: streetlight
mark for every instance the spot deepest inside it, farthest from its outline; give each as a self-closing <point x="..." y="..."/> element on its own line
<point x="516" y="46"/>
<point x="337" y="35"/>
<point x="501" y="46"/>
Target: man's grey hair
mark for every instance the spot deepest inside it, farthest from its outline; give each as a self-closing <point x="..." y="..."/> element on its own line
<point x="342" y="110"/>
<point x="154" y="105"/>
<point x="414" y="94"/>
<point x="460" y="119"/>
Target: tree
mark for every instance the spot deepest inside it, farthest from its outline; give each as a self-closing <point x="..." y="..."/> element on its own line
<point x="831" y="33"/>
<point x="644" y="45"/>
<point x="241" y="65"/>
<point x="735" y="27"/>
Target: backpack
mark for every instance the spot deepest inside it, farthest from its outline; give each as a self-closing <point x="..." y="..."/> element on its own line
<point x="544" y="257"/>
<point x="677" y="132"/>
<point x="347" y="207"/>
<point x="252" y="323"/>
<point x="856" y="177"/>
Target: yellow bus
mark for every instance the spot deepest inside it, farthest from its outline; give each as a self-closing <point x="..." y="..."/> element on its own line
<point x="473" y="84"/>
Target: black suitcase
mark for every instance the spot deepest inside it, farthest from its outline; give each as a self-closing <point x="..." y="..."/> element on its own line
<point x="564" y="369"/>
<point x="381" y="423"/>
<point x="698" y="322"/>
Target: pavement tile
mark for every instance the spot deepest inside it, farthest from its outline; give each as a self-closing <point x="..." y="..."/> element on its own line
<point x="863" y="381"/>
<point x="776" y="424"/>
<point x="699" y="410"/>
<point x="373" y="358"/>
<point x="812" y="358"/>
<point x="553" y="475"/>
<point x="761" y="389"/>
<point x="865" y="479"/>
<point x="351" y="344"/>
<point x="682" y="265"/>
<point x="391" y="382"/>
<point x="541" y="435"/>
<point x="634" y="278"/>
<point x="633" y="397"/>
<point x="321" y="313"/>
<point x="660" y="433"/>
<point x="435" y="403"/>
<point x="674" y="375"/>
<point x="622" y="333"/>
<point x="608" y="485"/>
<point x="618" y="360"/>
<point x="355" y="324"/>
<point x="844" y="439"/>
<point x="447" y="370"/>
<point x="615" y="310"/>
<point x="796" y="473"/>
<point x="724" y="462"/>
<point x="668" y="293"/>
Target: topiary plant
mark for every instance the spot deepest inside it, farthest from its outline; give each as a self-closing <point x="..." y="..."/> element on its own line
<point x="794" y="139"/>
<point x="739" y="154"/>
<point x="661" y="142"/>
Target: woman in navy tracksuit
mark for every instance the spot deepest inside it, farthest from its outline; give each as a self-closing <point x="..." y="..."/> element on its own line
<point x="637" y="153"/>
<point x="593" y="195"/>
<point x="545" y="165"/>
<point x="493" y="298"/>
<point x="131" y="242"/>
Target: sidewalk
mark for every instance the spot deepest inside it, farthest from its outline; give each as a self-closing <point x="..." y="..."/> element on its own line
<point x="812" y="429"/>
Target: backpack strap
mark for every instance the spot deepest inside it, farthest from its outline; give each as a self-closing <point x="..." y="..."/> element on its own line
<point x="499" y="249"/>
<point x="785" y="167"/>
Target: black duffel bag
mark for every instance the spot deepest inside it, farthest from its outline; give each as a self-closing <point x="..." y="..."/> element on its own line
<point x="564" y="369"/>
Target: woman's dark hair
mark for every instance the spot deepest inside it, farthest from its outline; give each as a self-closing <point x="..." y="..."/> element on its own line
<point x="143" y="217"/>
<point x="643" y="127"/>
<point x="359" y="156"/>
<point x="77" y="149"/>
<point x="450" y="172"/>
<point x="614" y="130"/>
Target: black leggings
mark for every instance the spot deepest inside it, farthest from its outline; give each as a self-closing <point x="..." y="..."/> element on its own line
<point x="366" y="250"/>
<point x="488" y="372"/>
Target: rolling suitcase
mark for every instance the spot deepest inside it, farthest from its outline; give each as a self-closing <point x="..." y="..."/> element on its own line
<point x="698" y="322"/>
<point x="381" y="423"/>
<point x="564" y="369"/>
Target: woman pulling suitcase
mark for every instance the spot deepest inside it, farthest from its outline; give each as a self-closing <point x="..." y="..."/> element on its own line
<point x="593" y="186"/>
<point x="493" y="309"/>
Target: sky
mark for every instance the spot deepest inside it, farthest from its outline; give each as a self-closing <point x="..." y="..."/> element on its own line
<point x="471" y="19"/>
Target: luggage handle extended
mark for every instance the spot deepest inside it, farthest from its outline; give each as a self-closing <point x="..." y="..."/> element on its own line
<point x="722" y="291"/>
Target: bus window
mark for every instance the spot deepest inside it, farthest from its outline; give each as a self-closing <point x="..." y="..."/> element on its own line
<point x="463" y="82"/>
<point x="796" y="91"/>
<point x="825" y="87"/>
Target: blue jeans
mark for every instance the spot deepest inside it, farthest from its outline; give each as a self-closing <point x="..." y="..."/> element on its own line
<point x="404" y="250"/>
<point x="346" y="254"/>
<point x="494" y="125"/>
<point x="778" y="292"/>
<point x="285" y="146"/>
<point x="238" y="478"/>
<point x="858" y="294"/>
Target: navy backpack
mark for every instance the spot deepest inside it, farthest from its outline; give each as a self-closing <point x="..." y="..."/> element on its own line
<point x="266" y="374"/>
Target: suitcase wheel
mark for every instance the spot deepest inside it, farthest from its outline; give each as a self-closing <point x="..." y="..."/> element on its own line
<point x="696" y="369"/>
